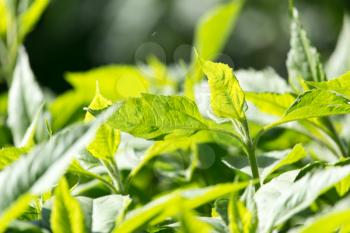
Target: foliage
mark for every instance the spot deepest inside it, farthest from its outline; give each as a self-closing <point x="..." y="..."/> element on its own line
<point x="228" y="151"/>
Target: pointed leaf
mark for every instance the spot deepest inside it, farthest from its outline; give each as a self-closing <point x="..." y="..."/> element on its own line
<point x="303" y="61"/>
<point x="25" y="98"/>
<point x="107" y="139"/>
<point x="315" y="103"/>
<point x="226" y="96"/>
<point x="215" y="27"/>
<point x="340" y="85"/>
<point x="30" y="17"/>
<point x="36" y="172"/>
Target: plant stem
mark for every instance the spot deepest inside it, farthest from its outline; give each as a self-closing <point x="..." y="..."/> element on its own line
<point x="250" y="150"/>
<point x="334" y="135"/>
<point x="114" y="173"/>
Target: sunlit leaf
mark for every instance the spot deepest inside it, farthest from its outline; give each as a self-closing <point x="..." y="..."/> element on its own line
<point x="152" y="116"/>
<point x="107" y="139"/>
<point x="116" y="82"/>
<point x="30" y="17"/>
<point x="8" y="155"/>
<point x="340" y="84"/>
<point x="215" y="27"/>
<point x="227" y="97"/>
<point x="66" y="215"/>
<point x="315" y="103"/>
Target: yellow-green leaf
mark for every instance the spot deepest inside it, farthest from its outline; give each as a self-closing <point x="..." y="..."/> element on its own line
<point x="66" y="215"/>
<point x="29" y="18"/>
<point x="315" y="103"/>
<point x="107" y="139"/>
<point x="215" y="27"/>
<point x="271" y="103"/>
<point x="10" y="154"/>
<point x="116" y="81"/>
<point x="226" y="96"/>
<point x="340" y="84"/>
<point x="293" y="156"/>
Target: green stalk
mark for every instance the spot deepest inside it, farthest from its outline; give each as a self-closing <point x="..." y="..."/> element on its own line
<point x="250" y="147"/>
<point x="113" y="172"/>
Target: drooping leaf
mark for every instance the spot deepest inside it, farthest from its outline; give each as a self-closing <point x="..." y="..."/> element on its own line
<point x="339" y="62"/>
<point x="25" y="98"/>
<point x="227" y="98"/>
<point x="104" y="213"/>
<point x="66" y="215"/>
<point x="116" y="82"/>
<point x="215" y="27"/>
<point x="303" y="61"/>
<point x="277" y="202"/>
<point x="152" y="116"/>
<point x="37" y="171"/>
<point x="31" y="16"/>
<point x="315" y="103"/>
<point x="107" y="139"/>
<point x="166" y="206"/>
<point x="340" y="85"/>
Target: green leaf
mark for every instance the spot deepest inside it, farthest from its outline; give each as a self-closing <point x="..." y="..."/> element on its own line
<point x="303" y="61"/>
<point x="30" y="17"/>
<point x="340" y="85"/>
<point x="280" y="199"/>
<point x="66" y="215"/>
<point x="116" y="81"/>
<point x="67" y="108"/>
<point x="103" y="213"/>
<point x="25" y="98"/>
<point x="226" y="96"/>
<point x="152" y="116"/>
<point x="296" y="154"/>
<point x="191" y="224"/>
<point x="240" y="218"/>
<point x="339" y="62"/>
<point x="315" y="103"/>
<point x="107" y="139"/>
<point x="37" y="171"/>
<point x="335" y="221"/>
<point x="3" y="17"/>
<point x="167" y="206"/>
<point x="271" y="103"/>
<point x="8" y="155"/>
<point x="215" y="27"/>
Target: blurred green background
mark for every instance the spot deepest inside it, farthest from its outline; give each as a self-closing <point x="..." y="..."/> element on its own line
<point x="76" y="35"/>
